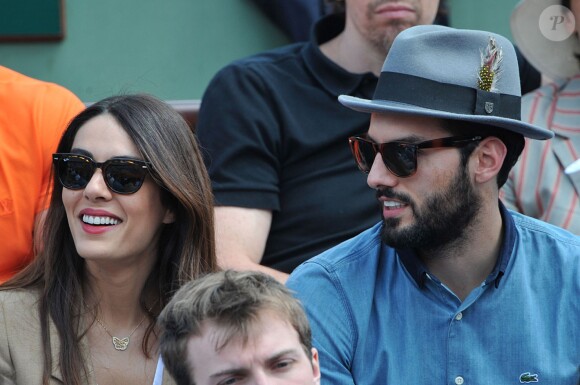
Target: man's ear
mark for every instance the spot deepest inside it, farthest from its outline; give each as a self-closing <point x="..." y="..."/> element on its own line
<point x="490" y="155"/>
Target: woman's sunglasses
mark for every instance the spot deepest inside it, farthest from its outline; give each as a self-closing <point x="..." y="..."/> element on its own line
<point x="399" y="157"/>
<point x="122" y="175"/>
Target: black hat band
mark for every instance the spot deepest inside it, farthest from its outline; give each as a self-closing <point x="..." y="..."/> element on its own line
<point x="452" y="98"/>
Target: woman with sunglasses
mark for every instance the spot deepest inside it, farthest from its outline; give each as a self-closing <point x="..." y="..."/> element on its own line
<point x="130" y="220"/>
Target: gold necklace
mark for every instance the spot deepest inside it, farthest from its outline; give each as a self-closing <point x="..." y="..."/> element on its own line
<point x="120" y="343"/>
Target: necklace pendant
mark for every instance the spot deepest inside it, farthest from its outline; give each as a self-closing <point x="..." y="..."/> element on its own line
<point x="120" y="343"/>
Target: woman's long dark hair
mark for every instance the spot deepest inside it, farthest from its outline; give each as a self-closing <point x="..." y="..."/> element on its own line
<point x="186" y="247"/>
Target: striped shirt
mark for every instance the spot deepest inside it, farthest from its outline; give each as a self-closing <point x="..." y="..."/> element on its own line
<point x="537" y="185"/>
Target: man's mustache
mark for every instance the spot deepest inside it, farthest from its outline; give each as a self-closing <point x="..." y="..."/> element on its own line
<point x="389" y="193"/>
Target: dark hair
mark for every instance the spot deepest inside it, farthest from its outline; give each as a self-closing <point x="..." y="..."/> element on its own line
<point x="186" y="246"/>
<point x="231" y="300"/>
<point x="513" y="141"/>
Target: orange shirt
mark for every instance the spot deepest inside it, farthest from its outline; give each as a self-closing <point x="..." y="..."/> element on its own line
<point x="33" y="116"/>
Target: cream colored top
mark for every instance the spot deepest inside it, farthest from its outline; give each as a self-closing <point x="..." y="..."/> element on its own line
<point x="21" y="355"/>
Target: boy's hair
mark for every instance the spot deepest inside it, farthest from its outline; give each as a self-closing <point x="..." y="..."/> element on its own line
<point x="231" y="300"/>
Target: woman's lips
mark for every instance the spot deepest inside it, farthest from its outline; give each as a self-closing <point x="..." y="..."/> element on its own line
<point x="98" y="221"/>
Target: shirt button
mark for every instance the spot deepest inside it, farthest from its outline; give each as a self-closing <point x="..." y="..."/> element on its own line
<point x="458" y="317"/>
<point x="459" y="379"/>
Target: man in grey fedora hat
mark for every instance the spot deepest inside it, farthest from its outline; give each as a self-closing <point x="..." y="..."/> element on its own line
<point x="450" y="287"/>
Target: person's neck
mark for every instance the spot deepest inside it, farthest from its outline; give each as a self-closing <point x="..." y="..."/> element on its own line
<point x="353" y="53"/>
<point x="115" y="296"/>
<point x="466" y="263"/>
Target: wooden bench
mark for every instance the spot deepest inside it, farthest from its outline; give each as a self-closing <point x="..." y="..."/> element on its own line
<point x="189" y="109"/>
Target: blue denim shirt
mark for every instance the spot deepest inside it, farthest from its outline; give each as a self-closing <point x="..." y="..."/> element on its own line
<point x="379" y="318"/>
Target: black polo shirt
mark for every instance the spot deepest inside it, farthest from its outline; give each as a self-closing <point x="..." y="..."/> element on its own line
<point x="275" y="137"/>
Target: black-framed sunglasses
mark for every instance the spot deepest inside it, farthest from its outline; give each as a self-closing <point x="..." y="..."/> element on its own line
<point x="121" y="175"/>
<point x="399" y="157"/>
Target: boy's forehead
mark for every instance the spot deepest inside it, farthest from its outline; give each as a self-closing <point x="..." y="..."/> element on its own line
<point x="223" y="334"/>
<point x="264" y="337"/>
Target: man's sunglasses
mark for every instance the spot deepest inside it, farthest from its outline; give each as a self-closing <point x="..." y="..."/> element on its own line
<point x="399" y="157"/>
<point x="122" y="175"/>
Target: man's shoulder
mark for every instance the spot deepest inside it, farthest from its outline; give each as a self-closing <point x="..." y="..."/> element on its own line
<point x="10" y="76"/>
<point x="268" y="70"/>
<point x="350" y="255"/>
<point x="345" y="275"/>
<point x="268" y="59"/>
<point x="545" y="257"/>
<point x="556" y="240"/>
<point x="25" y="89"/>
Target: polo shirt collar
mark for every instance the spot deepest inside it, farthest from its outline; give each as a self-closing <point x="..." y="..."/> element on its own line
<point x="333" y="78"/>
<point x="419" y="272"/>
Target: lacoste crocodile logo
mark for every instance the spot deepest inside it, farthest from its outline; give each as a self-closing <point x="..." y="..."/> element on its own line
<point x="528" y="377"/>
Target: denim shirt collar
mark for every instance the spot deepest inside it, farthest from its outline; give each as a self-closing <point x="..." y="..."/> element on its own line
<point x="419" y="272"/>
<point x="333" y="78"/>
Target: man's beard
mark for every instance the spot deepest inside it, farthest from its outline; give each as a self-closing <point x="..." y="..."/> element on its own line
<point x="444" y="218"/>
<point x="382" y="39"/>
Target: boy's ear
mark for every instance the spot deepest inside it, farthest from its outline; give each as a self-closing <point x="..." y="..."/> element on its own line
<point x="315" y="367"/>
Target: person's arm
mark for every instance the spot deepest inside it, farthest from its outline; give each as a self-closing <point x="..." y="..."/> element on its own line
<point x="241" y="235"/>
<point x="241" y="142"/>
<point x="331" y="320"/>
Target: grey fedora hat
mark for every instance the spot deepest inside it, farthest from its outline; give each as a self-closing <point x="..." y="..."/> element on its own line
<point x="448" y="73"/>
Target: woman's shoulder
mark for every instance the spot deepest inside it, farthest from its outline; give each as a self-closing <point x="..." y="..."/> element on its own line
<point x="25" y="299"/>
<point x="21" y="352"/>
<point x="20" y="313"/>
